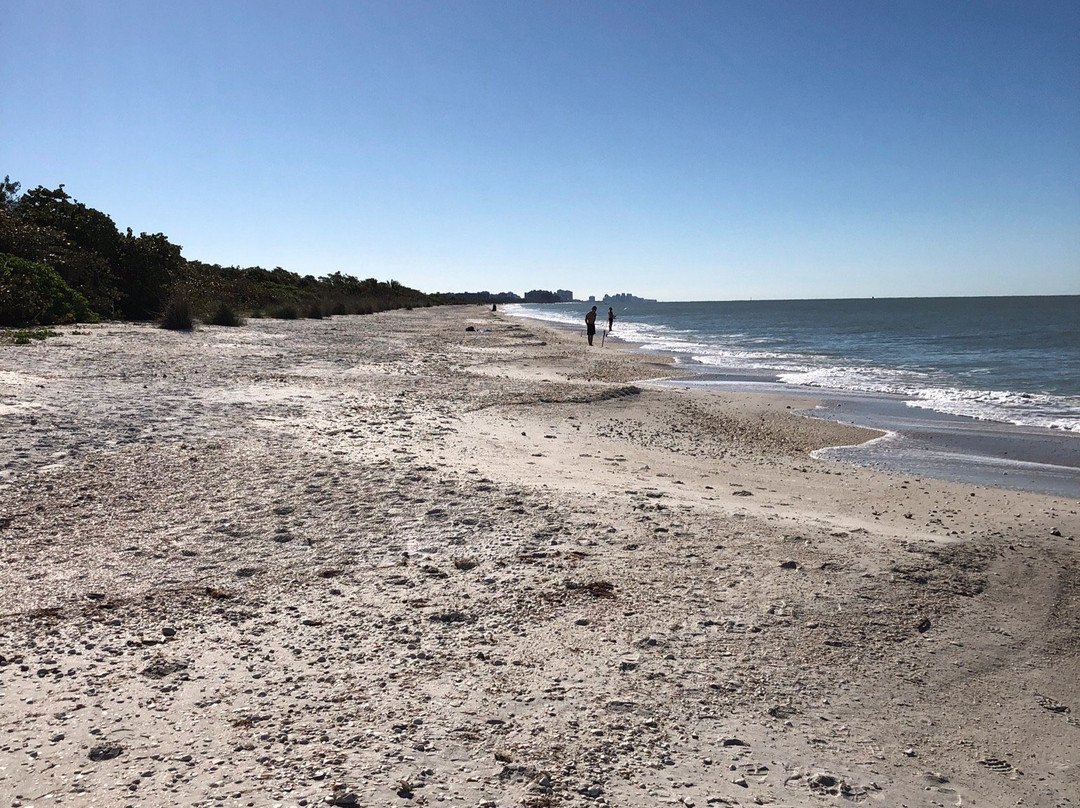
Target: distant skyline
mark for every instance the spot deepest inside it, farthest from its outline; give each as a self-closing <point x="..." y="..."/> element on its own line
<point x="675" y="150"/>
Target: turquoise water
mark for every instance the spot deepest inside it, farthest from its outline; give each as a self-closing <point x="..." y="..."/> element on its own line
<point x="1012" y="360"/>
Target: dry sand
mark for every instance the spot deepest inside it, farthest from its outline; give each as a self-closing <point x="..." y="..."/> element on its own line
<point x="386" y="561"/>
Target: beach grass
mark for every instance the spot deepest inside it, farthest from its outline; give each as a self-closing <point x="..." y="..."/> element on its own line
<point x="225" y="315"/>
<point x="177" y="316"/>
<point x="286" y="311"/>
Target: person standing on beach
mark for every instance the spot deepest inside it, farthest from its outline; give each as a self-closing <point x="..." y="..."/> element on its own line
<point x="590" y="324"/>
<point x="610" y="319"/>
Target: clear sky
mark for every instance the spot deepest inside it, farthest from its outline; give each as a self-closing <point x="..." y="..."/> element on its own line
<point x="678" y="150"/>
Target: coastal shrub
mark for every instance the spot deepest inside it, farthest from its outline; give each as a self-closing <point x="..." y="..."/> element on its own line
<point x="119" y="273"/>
<point x="314" y="312"/>
<point x="224" y="315"/>
<point x="177" y="316"/>
<point x="286" y="311"/>
<point x="33" y="293"/>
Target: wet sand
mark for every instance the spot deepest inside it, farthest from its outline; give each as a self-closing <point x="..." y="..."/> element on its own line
<point x="386" y="561"/>
<point x="933" y="444"/>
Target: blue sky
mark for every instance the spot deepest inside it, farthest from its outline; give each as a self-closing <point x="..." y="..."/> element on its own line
<point x="678" y="150"/>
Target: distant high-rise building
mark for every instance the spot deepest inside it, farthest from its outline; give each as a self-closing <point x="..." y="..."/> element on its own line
<point x="565" y="295"/>
<point x="626" y="297"/>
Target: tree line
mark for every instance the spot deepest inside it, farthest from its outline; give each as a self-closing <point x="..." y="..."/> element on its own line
<point x="62" y="261"/>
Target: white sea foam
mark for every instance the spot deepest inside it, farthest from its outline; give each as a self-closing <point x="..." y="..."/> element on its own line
<point x="887" y="437"/>
<point x="1022" y="409"/>
<point x="922" y="390"/>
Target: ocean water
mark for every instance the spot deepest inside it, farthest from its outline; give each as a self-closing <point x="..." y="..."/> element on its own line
<point x="1009" y="360"/>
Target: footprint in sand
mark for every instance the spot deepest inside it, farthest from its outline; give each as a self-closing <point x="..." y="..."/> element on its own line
<point x="1000" y="766"/>
<point x="1050" y="704"/>
<point x="1055" y="706"/>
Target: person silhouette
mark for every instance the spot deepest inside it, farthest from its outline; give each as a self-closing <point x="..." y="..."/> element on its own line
<point x="590" y="324"/>
<point x="610" y="319"/>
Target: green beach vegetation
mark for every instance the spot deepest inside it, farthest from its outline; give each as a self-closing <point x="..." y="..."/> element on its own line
<point x="24" y="336"/>
<point x="33" y="293"/>
<point x="64" y="262"/>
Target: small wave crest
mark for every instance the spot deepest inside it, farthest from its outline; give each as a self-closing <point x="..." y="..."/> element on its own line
<point x="1022" y="409"/>
<point x="925" y="391"/>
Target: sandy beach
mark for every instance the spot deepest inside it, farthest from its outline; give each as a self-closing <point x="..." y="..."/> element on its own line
<point x="386" y="560"/>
